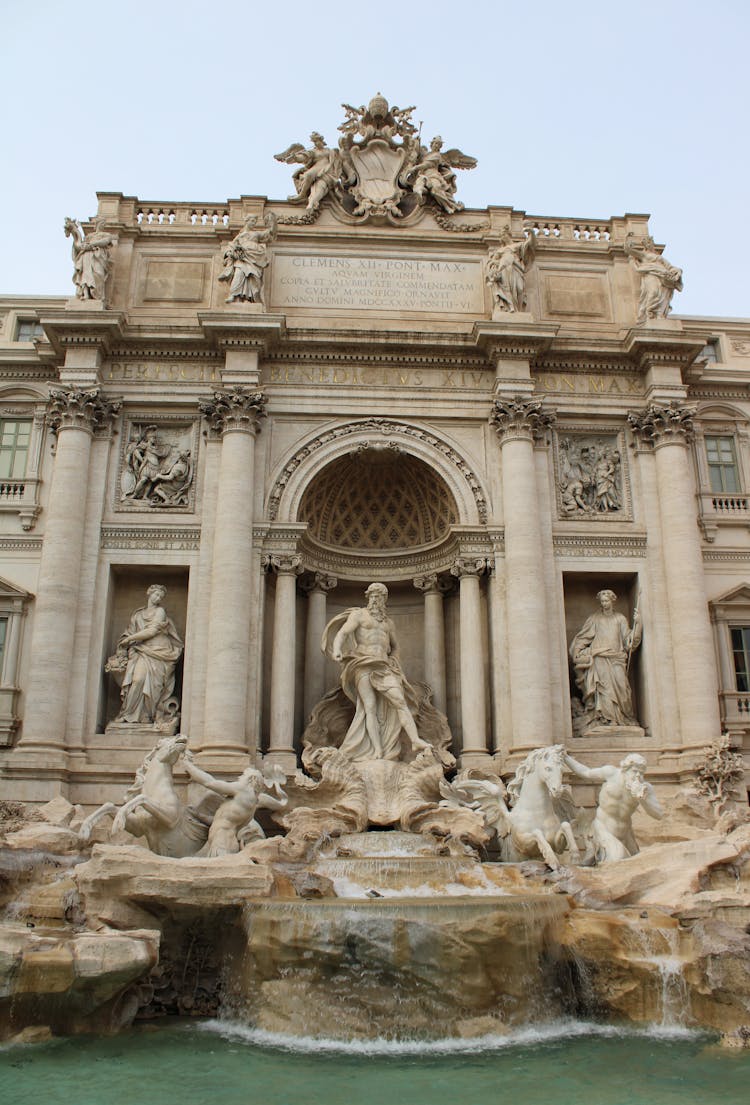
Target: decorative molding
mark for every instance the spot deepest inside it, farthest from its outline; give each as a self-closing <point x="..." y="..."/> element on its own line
<point x="472" y="568"/>
<point x="575" y="544"/>
<point x="235" y="409"/>
<point x="318" y="581"/>
<point x="150" y="537"/>
<point x="735" y="556"/>
<point x="26" y="543"/>
<point x="520" y="417"/>
<point x="75" y="408"/>
<point x="433" y="584"/>
<point x="663" y="424"/>
<point x="387" y="428"/>
<point x="284" y="564"/>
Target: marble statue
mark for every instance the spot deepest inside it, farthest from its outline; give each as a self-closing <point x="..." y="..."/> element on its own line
<point x="719" y="774"/>
<point x="432" y="174"/>
<point x="601" y="651"/>
<point x="379" y="169"/>
<point x="91" y="258"/>
<point x="245" y="260"/>
<point x="363" y="641"/>
<point x="623" y="790"/>
<point x="319" y="170"/>
<point x="536" y="821"/>
<point x="153" y="807"/>
<point x="590" y="477"/>
<point x="234" y="822"/>
<point x="144" y="663"/>
<point x="659" y="279"/>
<point x="156" y="471"/>
<point x="506" y="271"/>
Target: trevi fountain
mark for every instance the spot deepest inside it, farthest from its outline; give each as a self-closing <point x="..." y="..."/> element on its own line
<point x="379" y="725"/>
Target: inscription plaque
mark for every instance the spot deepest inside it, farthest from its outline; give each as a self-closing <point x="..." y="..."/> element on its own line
<point x="330" y="282"/>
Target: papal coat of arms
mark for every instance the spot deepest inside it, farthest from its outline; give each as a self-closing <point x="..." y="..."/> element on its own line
<point x="379" y="167"/>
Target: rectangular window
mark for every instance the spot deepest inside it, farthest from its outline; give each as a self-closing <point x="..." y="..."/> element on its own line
<point x="722" y="463"/>
<point x="28" y="330"/>
<point x="15" y="434"/>
<point x="741" y="653"/>
<point x="3" y="639"/>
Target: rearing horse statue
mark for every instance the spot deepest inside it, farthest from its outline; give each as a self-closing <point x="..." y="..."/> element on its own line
<point x="537" y="823"/>
<point x="153" y="808"/>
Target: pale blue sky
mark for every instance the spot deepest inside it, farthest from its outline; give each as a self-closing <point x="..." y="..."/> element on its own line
<point x="585" y="109"/>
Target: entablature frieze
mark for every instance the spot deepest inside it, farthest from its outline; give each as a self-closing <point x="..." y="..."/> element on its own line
<point x="599" y="545"/>
<point x="150" y="537"/>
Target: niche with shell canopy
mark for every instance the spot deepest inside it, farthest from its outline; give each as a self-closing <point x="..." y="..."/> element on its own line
<point x="378" y="512"/>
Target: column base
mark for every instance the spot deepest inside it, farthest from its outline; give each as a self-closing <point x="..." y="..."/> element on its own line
<point x="223" y="759"/>
<point x="284" y="758"/>
<point x="477" y="759"/>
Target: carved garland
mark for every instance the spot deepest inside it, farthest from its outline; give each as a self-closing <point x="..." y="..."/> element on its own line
<point x="387" y="428"/>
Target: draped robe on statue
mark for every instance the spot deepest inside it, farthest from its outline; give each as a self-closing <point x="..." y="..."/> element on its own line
<point x="600" y="653"/>
<point x="385" y="673"/>
<point x="148" y="682"/>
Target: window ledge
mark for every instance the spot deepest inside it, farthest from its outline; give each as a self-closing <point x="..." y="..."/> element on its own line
<point x="717" y="508"/>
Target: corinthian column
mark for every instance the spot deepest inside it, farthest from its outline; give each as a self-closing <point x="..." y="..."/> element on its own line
<point x="74" y="416"/>
<point x="433" y="588"/>
<point x="668" y="429"/>
<point x="518" y="422"/>
<point x="317" y="587"/>
<point x="234" y="414"/>
<point x="283" y="653"/>
<point x="472" y="663"/>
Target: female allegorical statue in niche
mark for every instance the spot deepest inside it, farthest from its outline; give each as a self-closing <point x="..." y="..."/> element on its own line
<point x="601" y="651"/>
<point x="146" y="657"/>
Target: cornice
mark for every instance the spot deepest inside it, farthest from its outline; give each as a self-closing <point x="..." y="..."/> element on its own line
<point x="71" y="328"/>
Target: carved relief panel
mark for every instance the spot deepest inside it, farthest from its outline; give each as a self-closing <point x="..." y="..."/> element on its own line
<point x="157" y="465"/>
<point x="591" y="474"/>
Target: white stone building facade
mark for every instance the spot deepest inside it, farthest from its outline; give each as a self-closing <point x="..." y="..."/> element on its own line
<point x="376" y="417"/>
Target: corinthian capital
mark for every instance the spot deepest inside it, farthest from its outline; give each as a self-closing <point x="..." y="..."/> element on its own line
<point x="469" y="566"/>
<point x="284" y="564"/>
<point x="234" y="409"/>
<point x="520" y="417"/>
<point x="80" y="409"/>
<point x="660" y="424"/>
<point x="433" y="584"/>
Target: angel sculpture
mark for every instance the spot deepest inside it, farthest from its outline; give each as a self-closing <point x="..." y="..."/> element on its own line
<point x="245" y="258"/>
<point x="506" y="270"/>
<point x="320" y="169"/>
<point x="432" y="173"/>
<point x="91" y="258"/>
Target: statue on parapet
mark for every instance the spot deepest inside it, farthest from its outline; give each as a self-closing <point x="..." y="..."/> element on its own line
<point x="319" y="172"/>
<point x="246" y="259"/>
<point x="601" y="652"/>
<point x="432" y="174"/>
<point x="659" y="279"/>
<point x="506" y="270"/>
<point x="91" y="258"/>
<point x="624" y="789"/>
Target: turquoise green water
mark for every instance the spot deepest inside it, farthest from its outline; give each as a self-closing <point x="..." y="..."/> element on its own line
<point x="212" y="1065"/>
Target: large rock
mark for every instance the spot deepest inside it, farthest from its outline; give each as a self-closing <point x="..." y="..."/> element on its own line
<point x="667" y="875"/>
<point x="72" y="982"/>
<point x="119" y="882"/>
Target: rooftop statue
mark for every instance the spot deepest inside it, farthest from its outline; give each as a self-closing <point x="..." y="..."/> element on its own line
<point x="659" y="279"/>
<point x="245" y="260"/>
<point x="506" y="270"/>
<point x="91" y="258"/>
<point x="319" y="172"/>
<point x="379" y="169"/>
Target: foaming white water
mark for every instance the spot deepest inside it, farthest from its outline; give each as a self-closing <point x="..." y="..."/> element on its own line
<point x="348" y="888"/>
<point x="526" y="1036"/>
